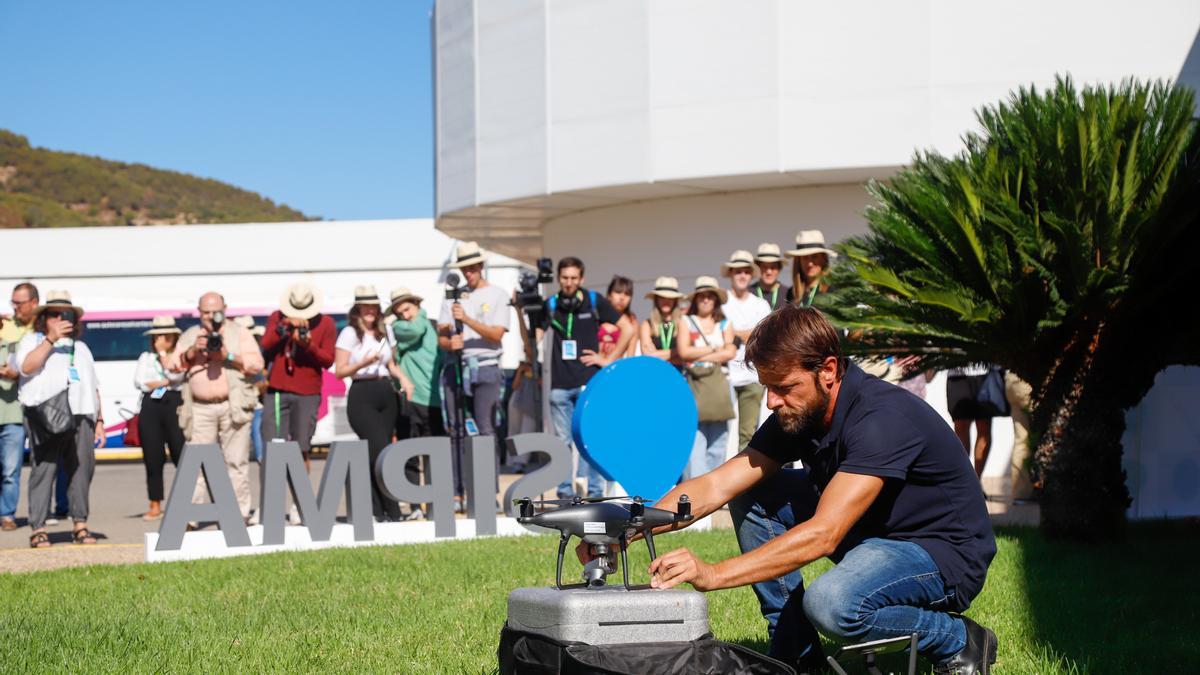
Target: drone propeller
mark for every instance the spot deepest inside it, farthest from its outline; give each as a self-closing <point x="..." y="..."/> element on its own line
<point x="574" y="500"/>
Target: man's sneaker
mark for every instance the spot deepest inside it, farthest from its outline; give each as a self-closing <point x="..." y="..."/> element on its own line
<point x="253" y="519"/>
<point x="52" y="520"/>
<point x="8" y="524"/>
<point x="415" y="514"/>
<point x="974" y="659"/>
<point x="294" y="515"/>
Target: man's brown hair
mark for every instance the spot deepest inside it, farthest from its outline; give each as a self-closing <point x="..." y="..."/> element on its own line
<point x="793" y="337"/>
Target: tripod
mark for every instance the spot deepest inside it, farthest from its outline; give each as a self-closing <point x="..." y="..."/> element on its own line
<point x="458" y="423"/>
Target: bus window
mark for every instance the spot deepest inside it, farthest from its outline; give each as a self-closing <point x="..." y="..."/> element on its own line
<point x="121" y="340"/>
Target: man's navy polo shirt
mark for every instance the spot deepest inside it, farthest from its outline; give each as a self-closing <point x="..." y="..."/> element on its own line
<point x="930" y="496"/>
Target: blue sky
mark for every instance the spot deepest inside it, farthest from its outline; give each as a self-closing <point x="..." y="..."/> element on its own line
<point x="324" y="106"/>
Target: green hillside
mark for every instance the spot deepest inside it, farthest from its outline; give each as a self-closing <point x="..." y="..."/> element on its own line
<point x="46" y="188"/>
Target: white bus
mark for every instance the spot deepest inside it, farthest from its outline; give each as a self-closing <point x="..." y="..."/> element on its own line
<point x="124" y="276"/>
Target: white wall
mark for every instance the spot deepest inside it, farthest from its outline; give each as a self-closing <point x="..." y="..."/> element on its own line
<point x="537" y="98"/>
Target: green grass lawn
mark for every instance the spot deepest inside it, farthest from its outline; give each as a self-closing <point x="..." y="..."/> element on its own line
<point x="438" y="608"/>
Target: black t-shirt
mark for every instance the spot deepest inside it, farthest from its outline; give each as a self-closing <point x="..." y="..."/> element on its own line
<point x="931" y="495"/>
<point x="585" y="329"/>
<point x="781" y="296"/>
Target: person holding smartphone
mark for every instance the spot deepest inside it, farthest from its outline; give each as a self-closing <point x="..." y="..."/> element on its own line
<point x="52" y="359"/>
<point x="362" y="353"/>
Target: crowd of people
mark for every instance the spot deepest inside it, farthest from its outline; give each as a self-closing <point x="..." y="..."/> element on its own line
<point x="242" y="386"/>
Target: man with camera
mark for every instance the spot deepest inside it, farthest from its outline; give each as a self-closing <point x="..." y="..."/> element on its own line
<point x="298" y="343"/>
<point x="472" y="323"/>
<point x="574" y="316"/>
<point x="218" y="406"/>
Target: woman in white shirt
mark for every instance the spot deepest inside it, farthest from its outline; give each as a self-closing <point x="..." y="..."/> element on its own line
<point x="52" y="359"/>
<point x="704" y="339"/>
<point x="362" y="353"/>
<point x="158" y="419"/>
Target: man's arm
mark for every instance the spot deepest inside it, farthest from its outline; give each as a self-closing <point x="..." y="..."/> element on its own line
<point x="844" y="501"/>
<point x="271" y="339"/>
<point x="486" y="331"/>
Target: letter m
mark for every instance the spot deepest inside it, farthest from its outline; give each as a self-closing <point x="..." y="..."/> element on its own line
<point x="346" y="467"/>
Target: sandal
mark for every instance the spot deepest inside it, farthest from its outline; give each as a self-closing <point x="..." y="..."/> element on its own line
<point x="39" y="540"/>
<point x="83" y="536"/>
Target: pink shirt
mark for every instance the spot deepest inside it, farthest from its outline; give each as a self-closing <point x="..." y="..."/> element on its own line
<point x="207" y="377"/>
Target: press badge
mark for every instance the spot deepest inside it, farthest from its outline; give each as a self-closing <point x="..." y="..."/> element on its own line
<point x="472" y="428"/>
<point x="569" y="351"/>
<point x="73" y="374"/>
<point x="158" y="393"/>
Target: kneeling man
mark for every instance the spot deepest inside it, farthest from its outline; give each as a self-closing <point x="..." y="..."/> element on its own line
<point x="886" y="492"/>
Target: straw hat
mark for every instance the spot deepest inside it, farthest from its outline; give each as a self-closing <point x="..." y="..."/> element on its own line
<point x="739" y="260"/>
<point x="468" y="253"/>
<point x="301" y="301"/>
<point x="59" y="300"/>
<point x="163" y="325"/>
<point x="709" y="285"/>
<point x="768" y="253"/>
<point x="665" y="287"/>
<point x="402" y="293"/>
<point x="809" y="242"/>
<point x="246" y="321"/>
<point x="366" y="295"/>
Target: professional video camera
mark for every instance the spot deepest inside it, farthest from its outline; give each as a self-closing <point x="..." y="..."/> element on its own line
<point x="214" y="336"/>
<point x="528" y="298"/>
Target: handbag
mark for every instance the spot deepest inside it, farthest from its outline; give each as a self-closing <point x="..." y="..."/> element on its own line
<point x="51" y="417"/>
<point x="710" y="387"/>
<point x="133" y="434"/>
<point x="991" y="400"/>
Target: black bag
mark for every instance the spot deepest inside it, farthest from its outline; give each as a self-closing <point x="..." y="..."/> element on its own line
<point x="51" y="417"/>
<point x="524" y="653"/>
<point x="991" y="399"/>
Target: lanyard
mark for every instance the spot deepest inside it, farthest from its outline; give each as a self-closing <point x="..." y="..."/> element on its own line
<point x="665" y="332"/>
<point x="774" y="294"/>
<point x="570" y="325"/>
<point x="277" y="416"/>
<point x="811" y="294"/>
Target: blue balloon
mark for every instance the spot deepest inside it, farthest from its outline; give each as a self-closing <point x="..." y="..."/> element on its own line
<point x="636" y="423"/>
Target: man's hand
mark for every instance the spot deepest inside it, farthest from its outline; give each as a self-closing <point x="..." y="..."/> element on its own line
<point x="9" y="373"/>
<point x="680" y="565"/>
<point x="589" y="357"/>
<point x="100" y="438"/>
<point x="201" y="345"/>
<point x="456" y="343"/>
<point x="457" y="311"/>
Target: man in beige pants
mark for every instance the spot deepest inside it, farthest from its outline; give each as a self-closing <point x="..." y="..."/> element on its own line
<point x="220" y="397"/>
<point x="1017" y="391"/>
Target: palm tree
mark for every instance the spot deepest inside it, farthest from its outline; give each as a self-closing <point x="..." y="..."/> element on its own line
<point x="1058" y="245"/>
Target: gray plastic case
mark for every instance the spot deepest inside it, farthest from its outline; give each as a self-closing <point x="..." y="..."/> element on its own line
<point x="609" y="615"/>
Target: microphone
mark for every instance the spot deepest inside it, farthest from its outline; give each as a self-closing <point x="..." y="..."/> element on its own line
<point x="453" y="281"/>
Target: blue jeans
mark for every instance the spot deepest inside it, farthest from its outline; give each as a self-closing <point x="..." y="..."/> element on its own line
<point x="12" y="452"/>
<point x="256" y="439"/>
<point x="708" y="450"/>
<point x="562" y="409"/>
<point x="882" y="588"/>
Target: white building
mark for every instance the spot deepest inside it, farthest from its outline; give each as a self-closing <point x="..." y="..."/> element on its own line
<point x="655" y="137"/>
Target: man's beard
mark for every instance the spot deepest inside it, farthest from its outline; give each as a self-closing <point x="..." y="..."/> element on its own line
<point x="805" y="420"/>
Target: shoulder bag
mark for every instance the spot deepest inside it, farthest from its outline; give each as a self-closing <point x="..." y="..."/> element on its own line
<point x="991" y="399"/>
<point x="710" y="387"/>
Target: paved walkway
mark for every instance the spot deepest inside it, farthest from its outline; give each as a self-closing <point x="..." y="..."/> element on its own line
<point x="118" y="500"/>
